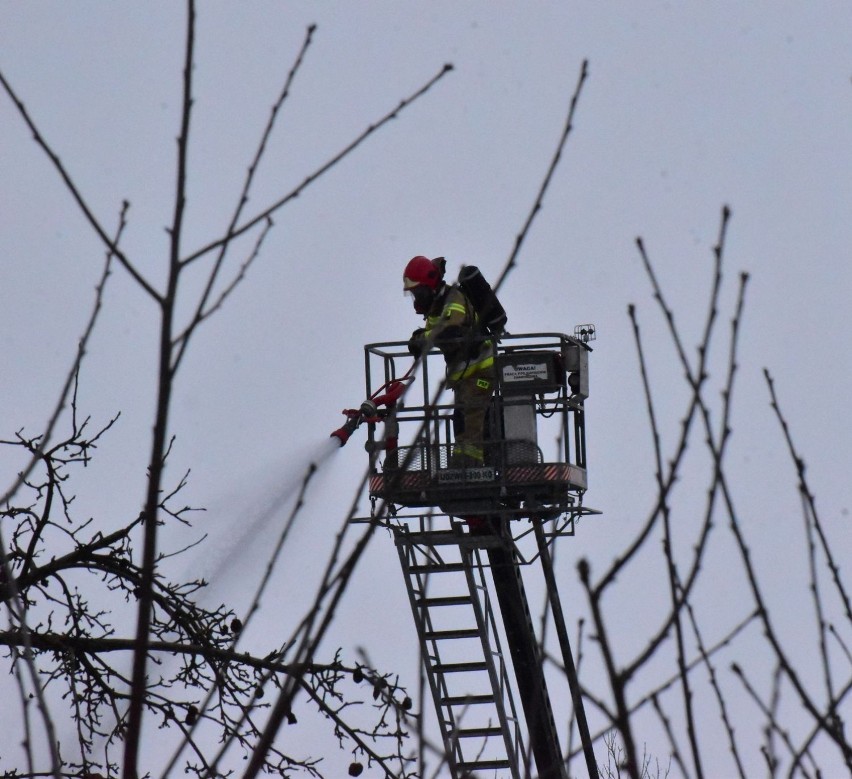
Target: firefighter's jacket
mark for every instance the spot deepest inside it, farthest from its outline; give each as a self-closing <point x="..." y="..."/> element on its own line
<point x="452" y="325"/>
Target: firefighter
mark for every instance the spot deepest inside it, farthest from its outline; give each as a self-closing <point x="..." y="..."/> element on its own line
<point x="452" y="325"/>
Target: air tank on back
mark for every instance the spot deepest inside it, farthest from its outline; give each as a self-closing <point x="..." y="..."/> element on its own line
<point x="490" y="310"/>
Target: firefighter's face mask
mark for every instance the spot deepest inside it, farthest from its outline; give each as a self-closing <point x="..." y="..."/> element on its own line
<point x="423" y="298"/>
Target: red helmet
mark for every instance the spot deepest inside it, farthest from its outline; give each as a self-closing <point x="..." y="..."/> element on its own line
<point x="423" y="271"/>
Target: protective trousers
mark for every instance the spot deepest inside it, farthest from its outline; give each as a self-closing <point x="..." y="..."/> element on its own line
<point x="472" y="397"/>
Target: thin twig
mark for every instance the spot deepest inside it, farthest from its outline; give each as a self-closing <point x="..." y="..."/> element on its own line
<point x="202" y="310"/>
<point x="510" y="263"/>
<point x="294" y="193"/>
<point x="717" y="691"/>
<point x="12" y="596"/>
<point x="111" y="244"/>
<point x="772" y="723"/>
<point x="674" y="679"/>
<point x="808" y="496"/>
<point x="160" y="445"/>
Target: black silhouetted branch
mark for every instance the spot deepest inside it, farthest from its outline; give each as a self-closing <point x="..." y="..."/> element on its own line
<point x="682" y="579"/>
<point x="706" y="659"/>
<point x="324" y="168"/>
<point x="537" y="205"/>
<point x="60" y="637"/>
<point x="825" y="720"/>
<point x="809" y="499"/>
<point x="205" y="308"/>
<point x="111" y="244"/>
<point x="619" y="678"/>
<point x="38" y="453"/>
<point x="159" y="446"/>
<point x="254" y="604"/>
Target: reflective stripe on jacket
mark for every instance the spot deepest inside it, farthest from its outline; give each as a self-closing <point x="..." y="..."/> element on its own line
<point x="453" y="314"/>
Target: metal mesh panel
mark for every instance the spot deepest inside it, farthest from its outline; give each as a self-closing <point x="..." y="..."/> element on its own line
<point x="439" y="457"/>
<point x="521" y="452"/>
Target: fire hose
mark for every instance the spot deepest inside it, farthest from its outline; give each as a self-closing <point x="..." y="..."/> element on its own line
<point x="371" y="410"/>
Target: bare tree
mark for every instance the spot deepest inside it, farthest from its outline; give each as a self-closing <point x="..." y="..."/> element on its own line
<point x="806" y="737"/>
<point x="62" y="581"/>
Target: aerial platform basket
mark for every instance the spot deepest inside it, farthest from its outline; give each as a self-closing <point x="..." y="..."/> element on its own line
<point x="541" y="385"/>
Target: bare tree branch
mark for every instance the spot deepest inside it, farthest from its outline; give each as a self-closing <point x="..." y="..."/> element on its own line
<point x="111" y="245"/>
<point x="545" y="184"/>
<point x="202" y="311"/>
<point x="159" y="444"/>
<point x="294" y="193"/>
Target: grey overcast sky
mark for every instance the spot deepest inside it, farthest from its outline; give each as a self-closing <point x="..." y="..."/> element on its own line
<point x="688" y="106"/>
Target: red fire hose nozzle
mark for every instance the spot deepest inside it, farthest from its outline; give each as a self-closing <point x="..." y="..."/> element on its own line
<point x="343" y="433"/>
<point x="369" y="409"/>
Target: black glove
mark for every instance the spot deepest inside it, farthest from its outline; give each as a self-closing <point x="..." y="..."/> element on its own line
<point x="415" y="343"/>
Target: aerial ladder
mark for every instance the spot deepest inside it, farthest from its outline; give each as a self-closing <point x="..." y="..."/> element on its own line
<point x="456" y="529"/>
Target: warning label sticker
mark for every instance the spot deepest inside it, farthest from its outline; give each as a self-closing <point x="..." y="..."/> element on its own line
<point x="526" y="371"/>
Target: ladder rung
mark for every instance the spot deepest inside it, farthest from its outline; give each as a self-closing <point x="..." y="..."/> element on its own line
<point x="432" y="635"/>
<point x="449" y="668"/>
<point x="477" y="732"/>
<point x="446" y="600"/>
<point x="430" y="538"/>
<point x="465" y="700"/>
<point x="436" y="567"/>
<point x="480" y="765"/>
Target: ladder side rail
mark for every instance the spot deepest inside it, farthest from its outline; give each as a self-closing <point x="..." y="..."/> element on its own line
<point x="451" y="725"/>
<point x="500" y="684"/>
<point x="423" y="619"/>
<point x="505" y="687"/>
<point x="429" y="650"/>
<point x="415" y="555"/>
